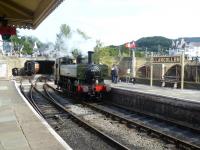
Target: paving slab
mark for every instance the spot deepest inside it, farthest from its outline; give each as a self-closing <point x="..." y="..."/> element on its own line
<point x="20" y="126"/>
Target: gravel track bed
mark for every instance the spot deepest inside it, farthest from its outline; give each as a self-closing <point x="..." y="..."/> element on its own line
<point x="76" y="136"/>
<point x="129" y="137"/>
<point x="163" y="126"/>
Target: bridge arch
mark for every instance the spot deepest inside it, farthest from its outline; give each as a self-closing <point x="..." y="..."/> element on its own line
<point x="189" y="72"/>
<point x="174" y="70"/>
<point x="143" y="71"/>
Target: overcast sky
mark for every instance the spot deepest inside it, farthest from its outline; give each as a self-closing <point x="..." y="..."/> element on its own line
<point x="118" y="21"/>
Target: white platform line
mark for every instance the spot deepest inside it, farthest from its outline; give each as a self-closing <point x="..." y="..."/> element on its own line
<point x="43" y="121"/>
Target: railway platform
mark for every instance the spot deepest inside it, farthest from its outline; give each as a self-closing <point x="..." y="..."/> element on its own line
<point x="185" y="94"/>
<point x="20" y="127"/>
<point x="174" y="105"/>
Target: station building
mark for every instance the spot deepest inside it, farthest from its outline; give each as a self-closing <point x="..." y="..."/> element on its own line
<point x="192" y="49"/>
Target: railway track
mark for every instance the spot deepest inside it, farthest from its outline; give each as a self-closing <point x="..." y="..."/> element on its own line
<point x="187" y="142"/>
<point x="167" y="132"/>
<point x="49" y="108"/>
<point x="128" y="136"/>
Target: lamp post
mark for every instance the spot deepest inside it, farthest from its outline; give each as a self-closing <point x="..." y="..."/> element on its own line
<point x="196" y="72"/>
<point x="182" y="69"/>
<point x="151" y="69"/>
<point x="133" y="63"/>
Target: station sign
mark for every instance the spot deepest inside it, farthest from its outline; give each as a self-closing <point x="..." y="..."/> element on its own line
<point x="167" y="59"/>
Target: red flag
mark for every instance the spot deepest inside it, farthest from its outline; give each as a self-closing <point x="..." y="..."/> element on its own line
<point x="130" y="45"/>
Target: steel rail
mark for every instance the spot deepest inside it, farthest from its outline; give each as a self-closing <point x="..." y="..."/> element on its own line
<point x="33" y="101"/>
<point x="30" y="98"/>
<point x="149" y="130"/>
<point x="80" y="120"/>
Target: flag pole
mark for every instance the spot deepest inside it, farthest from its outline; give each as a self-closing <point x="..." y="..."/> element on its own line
<point x="133" y="63"/>
<point x="130" y="65"/>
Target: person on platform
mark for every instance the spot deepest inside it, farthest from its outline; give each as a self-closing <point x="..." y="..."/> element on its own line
<point x="128" y="74"/>
<point x="116" y="74"/>
<point x="113" y="73"/>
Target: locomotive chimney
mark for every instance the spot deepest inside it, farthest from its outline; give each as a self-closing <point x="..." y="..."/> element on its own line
<point x="90" y="53"/>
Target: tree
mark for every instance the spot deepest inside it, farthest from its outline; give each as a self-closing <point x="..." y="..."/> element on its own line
<point x="23" y="44"/>
<point x="155" y="43"/>
<point x="96" y="55"/>
<point x="64" y="34"/>
<point x="75" y="53"/>
<point x="83" y="34"/>
<point x="17" y="43"/>
<point x="113" y="50"/>
<point x="139" y="54"/>
<point x="28" y="48"/>
<point x="65" y="30"/>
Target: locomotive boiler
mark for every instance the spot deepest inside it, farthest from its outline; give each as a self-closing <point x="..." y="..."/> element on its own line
<point x="81" y="79"/>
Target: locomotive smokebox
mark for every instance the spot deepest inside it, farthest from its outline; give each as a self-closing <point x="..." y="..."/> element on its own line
<point x="90" y="59"/>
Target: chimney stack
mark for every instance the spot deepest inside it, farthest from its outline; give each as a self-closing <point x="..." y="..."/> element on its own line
<point x="90" y="60"/>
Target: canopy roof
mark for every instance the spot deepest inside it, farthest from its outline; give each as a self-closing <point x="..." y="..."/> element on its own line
<point x="26" y="13"/>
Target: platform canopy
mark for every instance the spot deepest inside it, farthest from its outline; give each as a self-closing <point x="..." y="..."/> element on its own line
<point x="26" y="13"/>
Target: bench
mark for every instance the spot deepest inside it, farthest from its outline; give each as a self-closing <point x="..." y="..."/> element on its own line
<point x="170" y="79"/>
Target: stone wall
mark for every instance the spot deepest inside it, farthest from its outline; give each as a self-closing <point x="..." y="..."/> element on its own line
<point x="11" y="62"/>
<point x="14" y="62"/>
<point x="179" y="111"/>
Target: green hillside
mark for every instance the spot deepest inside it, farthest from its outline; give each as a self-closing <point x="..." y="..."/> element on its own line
<point x="155" y="43"/>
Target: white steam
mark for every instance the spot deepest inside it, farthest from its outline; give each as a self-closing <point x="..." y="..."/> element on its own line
<point x="75" y="40"/>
